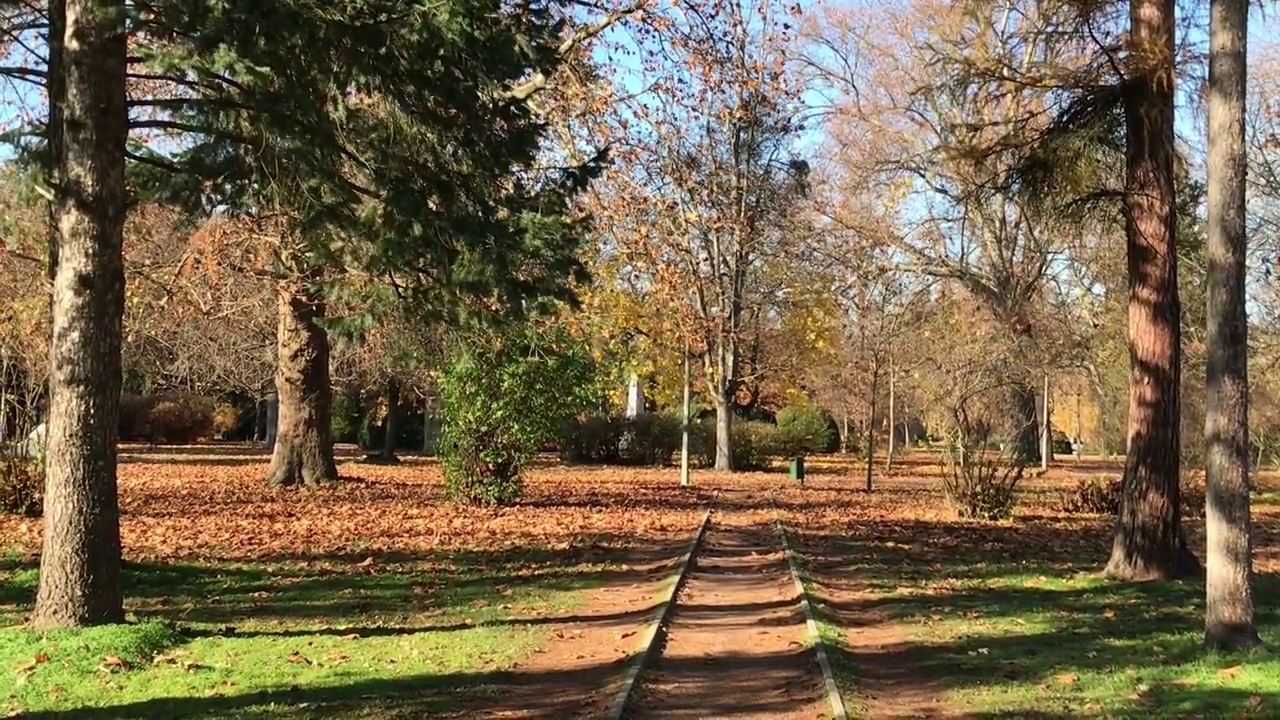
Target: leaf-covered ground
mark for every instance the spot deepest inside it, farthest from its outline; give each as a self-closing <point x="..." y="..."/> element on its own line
<point x="945" y="618"/>
<point x="371" y="598"/>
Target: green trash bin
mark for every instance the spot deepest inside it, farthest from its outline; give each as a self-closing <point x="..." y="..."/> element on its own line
<point x="797" y="468"/>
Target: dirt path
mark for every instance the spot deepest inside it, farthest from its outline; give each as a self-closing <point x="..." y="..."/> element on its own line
<point x="735" y="646"/>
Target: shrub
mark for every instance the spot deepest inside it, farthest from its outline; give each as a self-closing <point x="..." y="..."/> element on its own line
<point x="180" y="418"/>
<point x="1097" y="495"/>
<point x="980" y="483"/>
<point x="506" y="392"/>
<point x="650" y="439"/>
<point x="226" y="420"/>
<point x="135" y="421"/>
<point x="803" y="430"/>
<point x="754" y="444"/>
<point x="590" y="438"/>
<point x="21" y="484"/>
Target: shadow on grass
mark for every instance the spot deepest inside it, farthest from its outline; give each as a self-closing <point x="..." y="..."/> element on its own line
<point x="387" y="590"/>
<point x="531" y="694"/>
<point x="1019" y="613"/>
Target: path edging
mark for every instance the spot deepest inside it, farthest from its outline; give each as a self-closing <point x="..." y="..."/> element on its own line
<point x="833" y="693"/>
<point x="650" y="642"/>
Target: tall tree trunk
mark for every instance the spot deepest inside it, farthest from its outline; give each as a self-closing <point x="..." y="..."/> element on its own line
<point x="393" y="406"/>
<point x="1024" y="424"/>
<point x="1229" y="623"/>
<point x="1148" y="539"/>
<point x="724" y="431"/>
<point x="725" y="390"/>
<point x="303" y="452"/>
<point x="80" y="562"/>
<point x="893" y="431"/>
<point x="871" y="425"/>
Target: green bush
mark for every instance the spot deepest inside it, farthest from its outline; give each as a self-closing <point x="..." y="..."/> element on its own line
<point x="506" y="392"/>
<point x="650" y="439"/>
<point x="754" y="444"/>
<point x="344" y="418"/>
<point x="590" y="438"/>
<point x="803" y="430"/>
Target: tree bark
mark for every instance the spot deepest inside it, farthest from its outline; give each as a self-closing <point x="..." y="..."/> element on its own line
<point x="871" y="425"/>
<point x="390" y="431"/>
<point x="80" y="562"/>
<point x="1149" y="543"/>
<point x="724" y="432"/>
<point x="1229" y="622"/>
<point x="303" y="453"/>
<point x="1024" y="425"/>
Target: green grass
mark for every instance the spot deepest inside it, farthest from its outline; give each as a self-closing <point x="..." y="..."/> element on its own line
<point x="1021" y="643"/>
<point x="1014" y="621"/>
<point x="289" y="639"/>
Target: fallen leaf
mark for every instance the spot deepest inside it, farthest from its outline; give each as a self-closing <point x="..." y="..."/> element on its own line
<point x="298" y="658"/>
<point x="111" y="663"/>
<point x="1255" y="700"/>
<point x="1231" y="672"/>
<point x="1066" y="678"/>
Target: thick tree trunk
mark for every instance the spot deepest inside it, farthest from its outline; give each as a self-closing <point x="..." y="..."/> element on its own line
<point x="80" y="562"/>
<point x="1024" y="425"/>
<point x="724" y="432"/>
<point x="1148" y="539"/>
<point x="389" y="428"/>
<point x="303" y="452"/>
<point x="1229" y="623"/>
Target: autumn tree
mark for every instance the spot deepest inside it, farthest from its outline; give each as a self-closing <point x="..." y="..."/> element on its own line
<point x="927" y="106"/>
<point x="1229" y="621"/>
<point x="80" y="560"/>
<point x="705" y="198"/>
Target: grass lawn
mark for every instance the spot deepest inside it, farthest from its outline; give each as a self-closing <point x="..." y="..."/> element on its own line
<point x="1012" y="619"/>
<point x="370" y="599"/>
<point x="286" y="639"/>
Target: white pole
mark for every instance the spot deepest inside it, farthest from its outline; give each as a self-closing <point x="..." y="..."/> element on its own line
<point x="684" y="433"/>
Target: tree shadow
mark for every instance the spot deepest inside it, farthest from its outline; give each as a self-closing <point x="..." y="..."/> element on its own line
<point x="537" y="695"/>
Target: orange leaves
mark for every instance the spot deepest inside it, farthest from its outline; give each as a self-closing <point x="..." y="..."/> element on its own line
<point x="186" y="509"/>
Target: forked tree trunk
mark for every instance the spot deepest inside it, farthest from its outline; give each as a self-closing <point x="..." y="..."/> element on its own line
<point x="303" y="453"/>
<point x="80" y="562"/>
<point x="1148" y="538"/>
<point x="1229" y="623"/>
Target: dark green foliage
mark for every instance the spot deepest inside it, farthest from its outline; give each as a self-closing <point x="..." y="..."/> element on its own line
<point x="506" y="392"/>
<point x="345" y="420"/>
<point x="591" y="438"/>
<point x="651" y="439"/>
<point x="404" y="152"/>
<point x="1097" y="495"/>
<point x="803" y="430"/>
<point x="755" y="444"/>
<point x="647" y="439"/>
